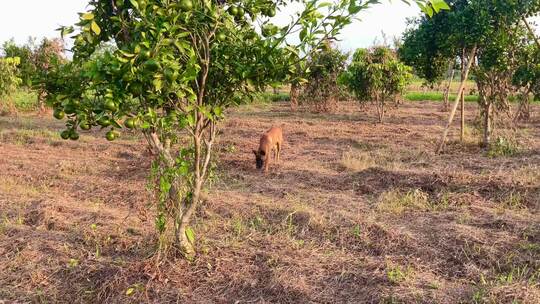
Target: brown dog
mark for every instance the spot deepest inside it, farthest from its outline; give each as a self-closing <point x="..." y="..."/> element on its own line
<point x="272" y="140"/>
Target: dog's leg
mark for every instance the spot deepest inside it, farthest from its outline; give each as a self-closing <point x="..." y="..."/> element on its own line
<point x="278" y="150"/>
<point x="266" y="162"/>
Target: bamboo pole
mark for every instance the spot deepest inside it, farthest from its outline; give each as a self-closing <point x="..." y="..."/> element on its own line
<point x="462" y="137"/>
<point x="447" y="89"/>
<point x="462" y="99"/>
<point x="531" y="32"/>
<point x="456" y="102"/>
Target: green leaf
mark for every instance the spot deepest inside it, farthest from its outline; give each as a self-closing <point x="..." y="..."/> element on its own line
<point x="65" y="30"/>
<point x="95" y="28"/>
<point x="303" y="34"/>
<point x="439" y="5"/>
<point x="218" y="111"/>
<point x="325" y="4"/>
<point x="135" y="4"/>
<point x="130" y="291"/>
<point x="88" y="16"/>
<point x="353" y="9"/>
<point x="158" y="84"/>
<point x="190" y="235"/>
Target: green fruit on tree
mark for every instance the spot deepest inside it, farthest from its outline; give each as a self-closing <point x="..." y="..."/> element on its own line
<point x="267" y="30"/>
<point x="251" y="35"/>
<point x="111" y="106"/>
<point x="152" y="65"/>
<point x="104" y="122"/>
<point x="221" y="36"/>
<point x="130" y="123"/>
<point x="65" y="134"/>
<point x="186" y="5"/>
<point x="111" y="135"/>
<point x="73" y="135"/>
<point x="135" y="88"/>
<point x="84" y="126"/>
<point x="270" y="12"/>
<point x="233" y="10"/>
<point x="69" y="109"/>
<point x="240" y="12"/>
<point x="170" y="75"/>
<point x="145" y="54"/>
<point x="59" y="114"/>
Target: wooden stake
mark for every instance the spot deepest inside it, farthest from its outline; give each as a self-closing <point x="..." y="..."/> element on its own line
<point x="462" y="98"/>
<point x="462" y="116"/>
<point x="531" y="32"/>
<point x="456" y="102"/>
<point x="447" y="89"/>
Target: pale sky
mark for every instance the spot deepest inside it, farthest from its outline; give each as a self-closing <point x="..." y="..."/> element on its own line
<point x="39" y="18"/>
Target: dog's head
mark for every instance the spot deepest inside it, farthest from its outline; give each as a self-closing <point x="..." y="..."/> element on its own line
<point x="259" y="158"/>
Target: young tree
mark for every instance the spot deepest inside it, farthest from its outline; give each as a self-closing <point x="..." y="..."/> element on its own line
<point x="177" y="67"/>
<point x="321" y="91"/>
<point x="377" y="75"/>
<point x="48" y="54"/>
<point x="35" y="62"/>
<point x="497" y="63"/>
<point x="527" y="80"/>
<point x="26" y="68"/>
<point x="8" y="75"/>
<point x="492" y="28"/>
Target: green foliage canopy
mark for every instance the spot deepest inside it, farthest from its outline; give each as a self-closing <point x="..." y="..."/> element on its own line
<point x="8" y="75"/>
<point x="376" y="75"/>
<point x="177" y="66"/>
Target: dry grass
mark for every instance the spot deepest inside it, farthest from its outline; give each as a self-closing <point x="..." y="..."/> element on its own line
<point x="356" y="212"/>
<point x="397" y="201"/>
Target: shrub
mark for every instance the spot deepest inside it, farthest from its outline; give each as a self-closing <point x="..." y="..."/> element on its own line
<point x="377" y="75"/>
<point x="503" y="146"/>
<point x="322" y="91"/>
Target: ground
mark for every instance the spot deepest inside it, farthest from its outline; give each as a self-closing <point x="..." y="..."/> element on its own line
<point x="356" y="212"/>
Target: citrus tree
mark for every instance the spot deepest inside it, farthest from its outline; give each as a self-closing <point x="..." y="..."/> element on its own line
<point x="321" y="91"/>
<point x="494" y="29"/>
<point x="377" y="75"/>
<point x="8" y="75"/>
<point x="35" y="62"/>
<point x="527" y="79"/>
<point x="177" y="66"/>
<point x="26" y="68"/>
<point x="426" y="49"/>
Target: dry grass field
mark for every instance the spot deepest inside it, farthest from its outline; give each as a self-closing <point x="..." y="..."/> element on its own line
<point x="357" y="212"/>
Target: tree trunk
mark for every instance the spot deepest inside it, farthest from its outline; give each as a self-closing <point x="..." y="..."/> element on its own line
<point x="186" y="247"/>
<point x="41" y="101"/>
<point x="531" y="32"/>
<point x="447" y="88"/>
<point x="462" y="134"/>
<point x="294" y="96"/>
<point x="454" y="108"/>
<point x="380" y="109"/>
<point x="487" y="123"/>
<point x="523" y="112"/>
